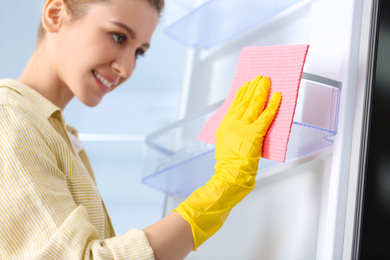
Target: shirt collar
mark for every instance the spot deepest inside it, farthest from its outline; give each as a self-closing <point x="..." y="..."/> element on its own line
<point x="47" y="107"/>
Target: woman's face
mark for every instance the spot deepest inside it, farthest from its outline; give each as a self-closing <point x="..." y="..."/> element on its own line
<point x="97" y="52"/>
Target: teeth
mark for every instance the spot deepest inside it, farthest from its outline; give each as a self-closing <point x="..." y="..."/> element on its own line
<point x="103" y="80"/>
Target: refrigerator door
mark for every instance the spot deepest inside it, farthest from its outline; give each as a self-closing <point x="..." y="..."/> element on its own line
<point x="298" y="209"/>
<point x="368" y="213"/>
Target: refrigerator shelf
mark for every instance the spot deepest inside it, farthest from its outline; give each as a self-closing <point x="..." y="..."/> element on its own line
<point x="209" y="23"/>
<point x="176" y="163"/>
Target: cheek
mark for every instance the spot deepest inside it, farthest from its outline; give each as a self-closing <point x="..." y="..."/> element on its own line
<point x="86" y="46"/>
<point x="99" y="52"/>
<point x="71" y="55"/>
<point x="90" y="57"/>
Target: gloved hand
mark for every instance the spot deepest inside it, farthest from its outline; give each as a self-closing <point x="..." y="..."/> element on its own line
<point x="238" y="150"/>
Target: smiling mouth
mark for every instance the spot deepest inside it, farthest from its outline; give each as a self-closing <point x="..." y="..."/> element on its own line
<point x="102" y="79"/>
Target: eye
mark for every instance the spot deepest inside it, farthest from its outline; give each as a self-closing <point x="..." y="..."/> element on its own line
<point x="119" y="38"/>
<point x="139" y="53"/>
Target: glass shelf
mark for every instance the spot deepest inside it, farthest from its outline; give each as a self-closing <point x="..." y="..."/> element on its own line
<point x="209" y="23"/>
<point x="176" y="163"/>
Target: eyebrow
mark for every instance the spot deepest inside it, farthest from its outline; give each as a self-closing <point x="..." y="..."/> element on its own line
<point x="130" y="32"/>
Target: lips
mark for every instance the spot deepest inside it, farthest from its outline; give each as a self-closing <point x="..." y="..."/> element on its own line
<point x="103" y="80"/>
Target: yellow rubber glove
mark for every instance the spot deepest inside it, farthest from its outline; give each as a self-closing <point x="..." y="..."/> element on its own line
<point x="238" y="150"/>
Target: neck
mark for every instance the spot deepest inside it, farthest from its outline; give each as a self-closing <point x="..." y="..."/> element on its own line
<point x="41" y="76"/>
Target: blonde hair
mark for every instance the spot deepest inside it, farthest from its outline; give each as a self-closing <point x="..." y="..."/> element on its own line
<point x="78" y="8"/>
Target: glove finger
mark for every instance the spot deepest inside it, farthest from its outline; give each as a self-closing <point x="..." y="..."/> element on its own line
<point x="238" y="97"/>
<point x="262" y="93"/>
<point x="237" y="107"/>
<point x="253" y="86"/>
<point x="260" y="98"/>
<point x="267" y="116"/>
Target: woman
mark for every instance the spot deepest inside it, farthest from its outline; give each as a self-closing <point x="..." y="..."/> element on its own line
<point x="50" y="207"/>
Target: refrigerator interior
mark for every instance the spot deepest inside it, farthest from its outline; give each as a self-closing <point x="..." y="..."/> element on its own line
<point x="298" y="209"/>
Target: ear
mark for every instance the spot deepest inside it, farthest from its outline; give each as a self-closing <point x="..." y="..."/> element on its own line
<point x="53" y="15"/>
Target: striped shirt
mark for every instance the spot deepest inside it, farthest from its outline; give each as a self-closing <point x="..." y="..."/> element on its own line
<point x="50" y="207"/>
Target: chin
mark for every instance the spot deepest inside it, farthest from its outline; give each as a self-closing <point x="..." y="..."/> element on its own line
<point x="90" y="102"/>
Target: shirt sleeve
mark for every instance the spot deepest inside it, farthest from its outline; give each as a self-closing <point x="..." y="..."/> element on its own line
<point x="38" y="216"/>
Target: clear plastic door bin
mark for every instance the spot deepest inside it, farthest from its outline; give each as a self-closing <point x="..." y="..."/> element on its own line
<point x="176" y="163"/>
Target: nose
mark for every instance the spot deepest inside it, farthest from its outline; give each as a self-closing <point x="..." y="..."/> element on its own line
<point x="124" y="65"/>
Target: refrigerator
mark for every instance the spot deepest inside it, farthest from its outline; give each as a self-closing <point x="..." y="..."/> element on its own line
<point x="329" y="199"/>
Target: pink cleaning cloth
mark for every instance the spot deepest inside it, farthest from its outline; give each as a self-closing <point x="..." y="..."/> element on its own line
<point x="283" y="65"/>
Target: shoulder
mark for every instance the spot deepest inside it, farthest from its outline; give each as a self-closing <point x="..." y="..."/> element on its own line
<point x="20" y="118"/>
<point x="10" y="98"/>
<point x="11" y="95"/>
<point x="22" y="127"/>
<point x="20" y="98"/>
<point x="16" y="113"/>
